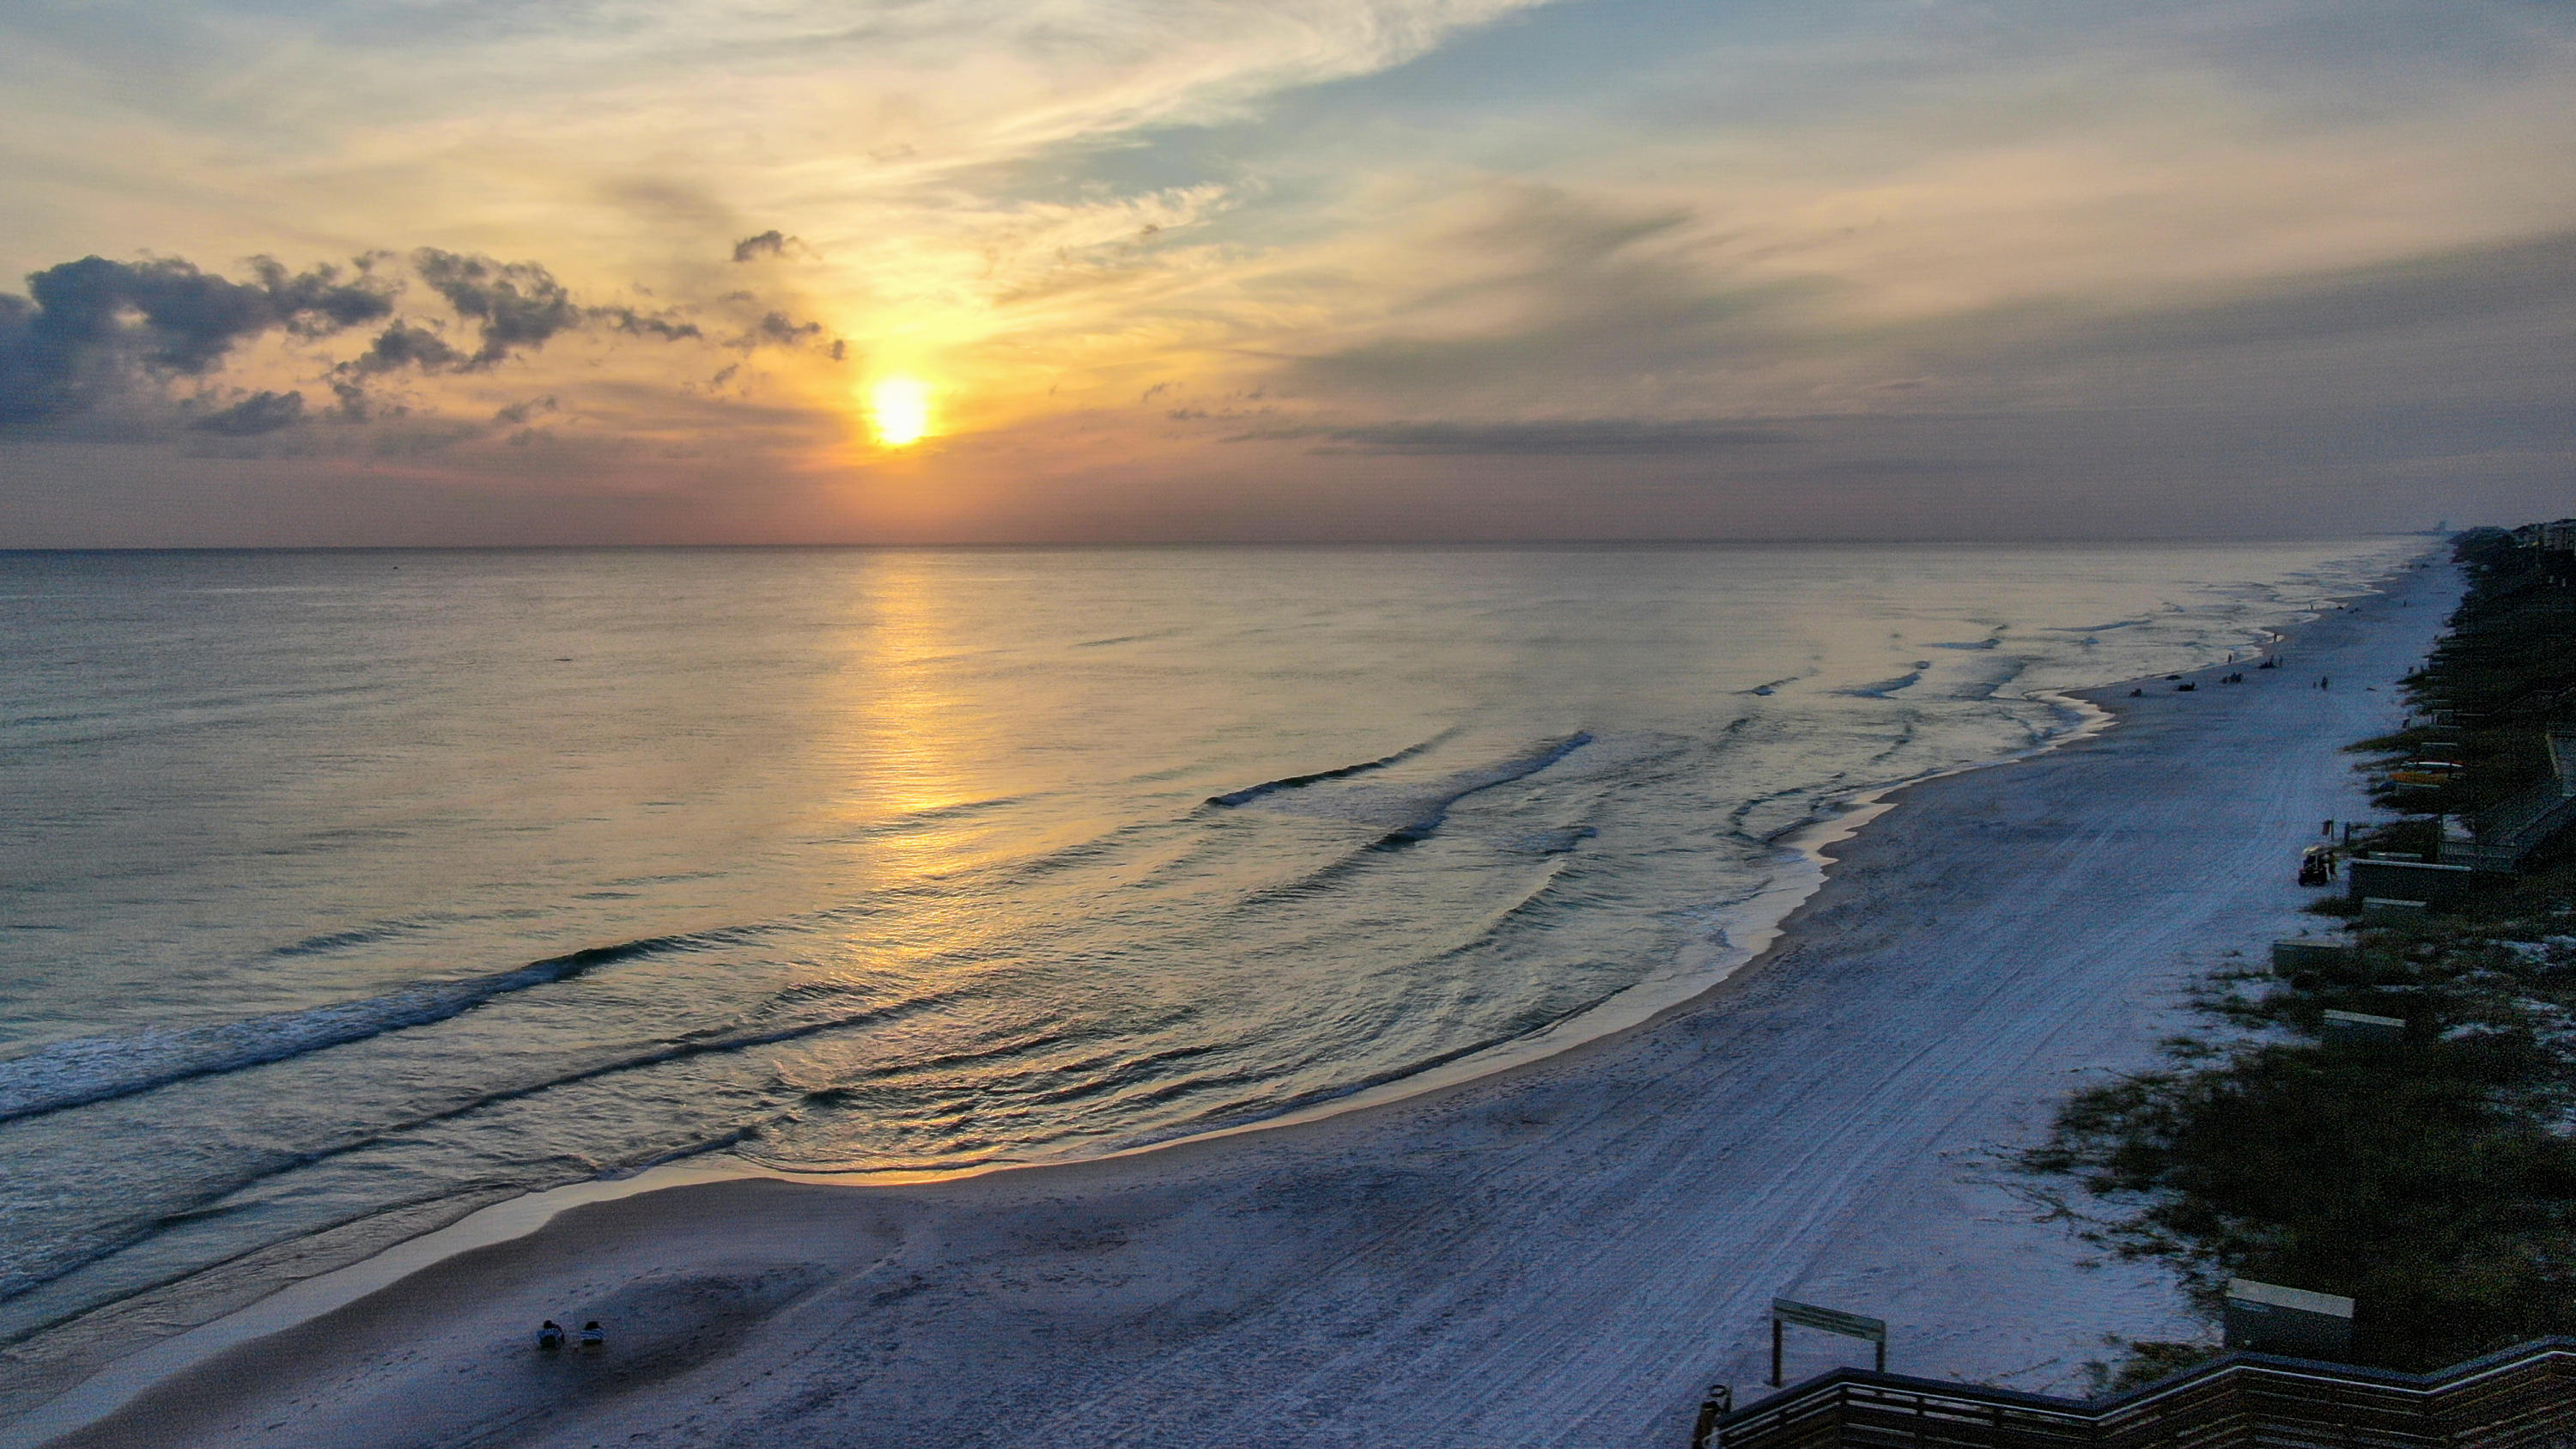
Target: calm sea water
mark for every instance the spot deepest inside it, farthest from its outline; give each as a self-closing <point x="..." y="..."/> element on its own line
<point x="353" y="890"/>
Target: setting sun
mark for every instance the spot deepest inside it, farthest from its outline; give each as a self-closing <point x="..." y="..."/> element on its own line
<point x="899" y="410"/>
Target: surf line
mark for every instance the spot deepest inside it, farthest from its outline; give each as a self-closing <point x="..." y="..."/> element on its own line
<point x="1250" y="793"/>
<point x="89" y="1070"/>
<point x="1521" y="769"/>
<point x="127" y="1379"/>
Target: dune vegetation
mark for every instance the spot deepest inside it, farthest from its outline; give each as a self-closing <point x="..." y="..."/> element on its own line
<point x="2430" y="1177"/>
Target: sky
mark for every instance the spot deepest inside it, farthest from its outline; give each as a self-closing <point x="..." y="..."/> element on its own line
<point x="878" y="271"/>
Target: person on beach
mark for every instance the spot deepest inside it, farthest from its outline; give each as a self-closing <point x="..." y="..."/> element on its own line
<point x="550" y="1337"/>
<point x="592" y="1335"/>
<point x="2317" y="866"/>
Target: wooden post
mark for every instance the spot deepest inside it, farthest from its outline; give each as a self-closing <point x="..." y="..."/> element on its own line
<point x="1719" y="1403"/>
<point x="1831" y="1320"/>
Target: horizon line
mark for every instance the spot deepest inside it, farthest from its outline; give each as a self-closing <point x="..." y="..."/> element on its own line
<point x="1803" y="541"/>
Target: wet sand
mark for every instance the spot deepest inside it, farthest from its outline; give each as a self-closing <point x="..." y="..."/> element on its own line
<point x="1566" y="1253"/>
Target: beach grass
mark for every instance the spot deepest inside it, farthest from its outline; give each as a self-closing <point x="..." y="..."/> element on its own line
<point x="2431" y="1178"/>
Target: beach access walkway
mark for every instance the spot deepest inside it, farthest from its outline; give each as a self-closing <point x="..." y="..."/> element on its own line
<point x="1565" y="1254"/>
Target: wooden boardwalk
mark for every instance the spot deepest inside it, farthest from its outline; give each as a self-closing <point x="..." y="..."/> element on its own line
<point x="2520" y="1398"/>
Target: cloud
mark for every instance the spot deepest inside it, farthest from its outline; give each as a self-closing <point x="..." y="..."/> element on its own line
<point x="86" y="327"/>
<point x="261" y="412"/>
<point x="1524" y="298"/>
<point x="2454" y="287"/>
<point x="1571" y="438"/>
<point x="1629" y="238"/>
<point x="519" y="412"/>
<point x="317" y="302"/>
<point x="516" y="306"/>
<point x="2488" y="321"/>
<point x="645" y="324"/>
<point x="107" y="340"/>
<point x="780" y="330"/>
<point x="519" y="304"/>
<point x="407" y="344"/>
<point x="354" y="404"/>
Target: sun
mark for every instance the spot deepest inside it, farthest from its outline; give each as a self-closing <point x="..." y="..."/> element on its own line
<point x="899" y="410"/>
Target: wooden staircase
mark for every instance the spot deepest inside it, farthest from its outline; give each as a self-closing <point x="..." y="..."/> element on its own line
<point x="2521" y="1398"/>
<point x="2513" y="831"/>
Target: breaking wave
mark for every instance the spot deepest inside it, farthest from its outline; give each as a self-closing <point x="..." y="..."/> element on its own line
<point x="1250" y="793"/>
<point x="1436" y="809"/>
<point x="1883" y="688"/>
<point x="101" y="1068"/>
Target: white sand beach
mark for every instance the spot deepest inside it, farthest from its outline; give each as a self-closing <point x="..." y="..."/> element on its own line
<point x="1566" y="1253"/>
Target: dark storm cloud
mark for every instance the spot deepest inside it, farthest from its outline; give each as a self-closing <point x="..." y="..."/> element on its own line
<point x="768" y="244"/>
<point x="261" y="412"/>
<point x="85" y="325"/>
<point x="1589" y="437"/>
<point x="518" y="304"/>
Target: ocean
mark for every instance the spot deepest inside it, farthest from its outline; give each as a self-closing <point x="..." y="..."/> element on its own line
<point x="342" y="893"/>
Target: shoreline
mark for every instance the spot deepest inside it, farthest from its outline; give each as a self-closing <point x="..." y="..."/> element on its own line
<point x="517" y="1220"/>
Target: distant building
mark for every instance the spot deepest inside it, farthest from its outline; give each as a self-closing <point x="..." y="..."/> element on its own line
<point x="2558" y="537"/>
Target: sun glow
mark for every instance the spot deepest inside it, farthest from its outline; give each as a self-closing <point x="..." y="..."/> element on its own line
<point x="899" y="411"/>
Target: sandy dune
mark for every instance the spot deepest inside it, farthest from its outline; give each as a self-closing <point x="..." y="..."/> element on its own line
<point x="1565" y="1254"/>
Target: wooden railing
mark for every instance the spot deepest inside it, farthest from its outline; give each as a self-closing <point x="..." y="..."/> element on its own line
<point x="2528" y="821"/>
<point x="2522" y="1398"/>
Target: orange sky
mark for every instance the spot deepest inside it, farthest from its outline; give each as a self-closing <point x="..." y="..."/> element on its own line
<point x="1200" y="269"/>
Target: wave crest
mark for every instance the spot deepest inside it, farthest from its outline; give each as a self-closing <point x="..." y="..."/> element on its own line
<point x="80" y="1072"/>
<point x="1250" y="793"/>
